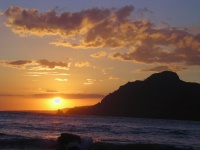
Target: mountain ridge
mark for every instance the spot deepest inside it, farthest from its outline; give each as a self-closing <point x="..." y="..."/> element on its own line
<point x="161" y="95"/>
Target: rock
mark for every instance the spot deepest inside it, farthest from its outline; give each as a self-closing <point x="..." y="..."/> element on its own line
<point x="59" y="112"/>
<point x="73" y="142"/>
<point x="162" y="95"/>
<point x="65" y="139"/>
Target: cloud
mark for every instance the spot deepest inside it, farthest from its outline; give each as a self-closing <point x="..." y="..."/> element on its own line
<point x="113" y="78"/>
<point x="99" y="54"/>
<point x="89" y="81"/>
<point x="96" y="27"/>
<point x="51" y="91"/>
<point x="61" y="80"/>
<point x="51" y="65"/>
<point x="164" y="46"/>
<point x="24" y="21"/>
<point x="82" y="64"/>
<point x="105" y="70"/>
<point x="53" y="94"/>
<point x="1" y="13"/>
<point x="70" y="95"/>
<point x="194" y="28"/>
<point x="18" y="64"/>
<point x="142" y="40"/>
<point x="35" y="64"/>
<point x="39" y="73"/>
<point x="163" y="68"/>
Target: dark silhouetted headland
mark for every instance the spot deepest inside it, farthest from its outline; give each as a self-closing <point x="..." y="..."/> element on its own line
<point x="162" y="95"/>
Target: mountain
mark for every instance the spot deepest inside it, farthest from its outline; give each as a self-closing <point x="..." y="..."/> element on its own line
<point x="162" y="95"/>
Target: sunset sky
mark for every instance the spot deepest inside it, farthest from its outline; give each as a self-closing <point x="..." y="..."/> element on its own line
<point x="78" y="51"/>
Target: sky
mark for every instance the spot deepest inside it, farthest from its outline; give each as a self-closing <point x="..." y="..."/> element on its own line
<point x="62" y="54"/>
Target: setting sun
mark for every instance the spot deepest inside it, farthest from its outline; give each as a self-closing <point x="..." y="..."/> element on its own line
<point x="57" y="100"/>
<point x="57" y="103"/>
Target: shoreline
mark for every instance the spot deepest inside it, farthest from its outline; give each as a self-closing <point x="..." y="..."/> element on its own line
<point x="45" y="144"/>
<point x="65" y="139"/>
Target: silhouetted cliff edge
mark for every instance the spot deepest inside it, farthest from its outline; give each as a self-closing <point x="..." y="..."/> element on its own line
<point x="162" y="95"/>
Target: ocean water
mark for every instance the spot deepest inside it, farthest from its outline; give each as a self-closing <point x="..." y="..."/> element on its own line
<point x="22" y="130"/>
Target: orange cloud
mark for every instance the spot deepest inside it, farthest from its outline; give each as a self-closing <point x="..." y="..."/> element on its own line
<point x="61" y="79"/>
<point x="105" y="70"/>
<point x="48" y="73"/>
<point x="40" y="73"/>
<point x="82" y="64"/>
<point x="113" y="78"/>
<point x="89" y="81"/>
<point x="99" y="54"/>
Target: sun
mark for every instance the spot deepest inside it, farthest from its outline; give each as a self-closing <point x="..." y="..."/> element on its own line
<point x="57" y="101"/>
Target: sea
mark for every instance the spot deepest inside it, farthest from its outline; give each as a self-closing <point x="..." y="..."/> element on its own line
<point x="34" y="131"/>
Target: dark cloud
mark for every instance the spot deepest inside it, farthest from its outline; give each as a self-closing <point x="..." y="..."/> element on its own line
<point x="20" y="62"/>
<point x="52" y="94"/>
<point x="53" y="64"/>
<point x="51" y="91"/>
<point x="164" y="46"/>
<point x="142" y="40"/>
<point x="124" y="13"/>
<point x="70" y="96"/>
<point x="35" y="65"/>
<point x="66" y="23"/>
<point x="95" y="26"/>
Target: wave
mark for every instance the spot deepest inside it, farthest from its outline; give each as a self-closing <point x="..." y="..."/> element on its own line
<point x="16" y="142"/>
<point x="38" y="144"/>
<point x="138" y="146"/>
<point x="4" y="136"/>
<point x="38" y="131"/>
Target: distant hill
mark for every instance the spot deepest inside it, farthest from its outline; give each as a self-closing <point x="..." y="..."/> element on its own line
<point x="162" y="95"/>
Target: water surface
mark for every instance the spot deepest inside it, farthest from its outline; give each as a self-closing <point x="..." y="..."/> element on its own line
<point x="32" y="126"/>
